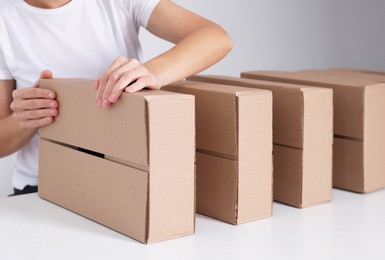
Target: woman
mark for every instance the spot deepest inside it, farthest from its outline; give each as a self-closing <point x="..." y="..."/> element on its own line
<point x="88" y="39"/>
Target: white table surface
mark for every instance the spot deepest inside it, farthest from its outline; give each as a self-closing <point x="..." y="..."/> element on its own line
<point x="350" y="227"/>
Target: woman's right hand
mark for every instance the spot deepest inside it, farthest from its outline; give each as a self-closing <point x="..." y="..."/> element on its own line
<point x="35" y="107"/>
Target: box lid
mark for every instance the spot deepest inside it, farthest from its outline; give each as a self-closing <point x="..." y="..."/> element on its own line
<point x="288" y="105"/>
<point x="351" y="74"/>
<point x="216" y="115"/>
<point x="82" y="124"/>
<point x="348" y="96"/>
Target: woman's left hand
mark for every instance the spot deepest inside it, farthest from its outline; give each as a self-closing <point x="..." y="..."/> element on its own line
<point x="124" y="74"/>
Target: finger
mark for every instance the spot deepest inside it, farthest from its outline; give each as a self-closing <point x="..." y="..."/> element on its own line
<point x="28" y="104"/>
<point x="124" y="70"/>
<point x="32" y="93"/>
<point x="144" y="82"/>
<point x="36" y="123"/>
<point x="45" y="74"/>
<point x="95" y="84"/>
<point x="104" y="78"/>
<point x="35" y="114"/>
<point x="128" y="78"/>
<point x="121" y="74"/>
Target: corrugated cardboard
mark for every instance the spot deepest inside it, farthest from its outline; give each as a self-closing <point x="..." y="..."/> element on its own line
<point x="142" y="183"/>
<point x="234" y="150"/>
<point x="302" y="150"/>
<point x="360" y="71"/>
<point x="350" y="74"/>
<point x="359" y="124"/>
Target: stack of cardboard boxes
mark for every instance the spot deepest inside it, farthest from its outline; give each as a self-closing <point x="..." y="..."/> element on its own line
<point x="132" y="167"/>
<point x="234" y="150"/>
<point x="359" y="124"/>
<point x="302" y="149"/>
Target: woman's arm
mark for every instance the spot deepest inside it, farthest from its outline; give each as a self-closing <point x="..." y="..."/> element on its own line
<point x="12" y="137"/>
<point x="199" y="43"/>
<point x="22" y="112"/>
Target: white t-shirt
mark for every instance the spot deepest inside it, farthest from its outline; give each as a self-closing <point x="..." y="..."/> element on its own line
<point x="80" y="39"/>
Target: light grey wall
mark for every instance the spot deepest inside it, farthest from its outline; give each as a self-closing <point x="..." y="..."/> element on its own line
<point x="283" y="35"/>
<point x="356" y="33"/>
<point x="293" y="35"/>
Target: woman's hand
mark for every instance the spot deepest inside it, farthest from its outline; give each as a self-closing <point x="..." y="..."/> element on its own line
<point x="199" y="43"/>
<point x="124" y="74"/>
<point x="34" y="107"/>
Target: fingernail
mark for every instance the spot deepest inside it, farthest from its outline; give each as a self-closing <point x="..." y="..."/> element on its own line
<point x="50" y="95"/>
<point x="99" y="102"/>
<point x="105" y="103"/>
<point x="112" y="97"/>
<point x="52" y="104"/>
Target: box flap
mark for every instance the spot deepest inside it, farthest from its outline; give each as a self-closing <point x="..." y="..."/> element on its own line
<point x="106" y="192"/>
<point x="288" y="105"/>
<point x="348" y="164"/>
<point x="171" y="126"/>
<point x="310" y="78"/>
<point x="247" y="83"/>
<point x="216" y="115"/>
<point x="215" y="87"/>
<point x="217" y="186"/>
<point x="348" y="96"/>
<point x="288" y="171"/>
<point x="81" y="123"/>
<point x="354" y="74"/>
<point x="318" y="147"/>
<point x="255" y="147"/>
<point x="374" y="139"/>
<point x="359" y="71"/>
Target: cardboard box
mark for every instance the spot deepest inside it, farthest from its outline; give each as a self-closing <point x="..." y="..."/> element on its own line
<point x="360" y="71"/>
<point x="353" y="74"/>
<point x="359" y="126"/>
<point x="130" y="168"/>
<point x="234" y="150"/>
<point x="302" y="150"/>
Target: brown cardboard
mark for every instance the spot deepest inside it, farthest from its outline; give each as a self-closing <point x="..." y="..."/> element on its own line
<point x="351" y="74"/>
<point x="302" y="149"/>
<point x="234" y="150"/>
<point x="359" y="116"/>
<point x="143" y="184"/>
<point x="360" y="71"/>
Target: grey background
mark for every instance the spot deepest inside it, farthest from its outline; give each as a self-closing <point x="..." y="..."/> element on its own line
<point x="282" y="35"/>
<point x="293" y="35"/>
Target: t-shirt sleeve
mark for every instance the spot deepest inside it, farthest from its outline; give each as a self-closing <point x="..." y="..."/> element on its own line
<point x="142" y="10"/>
<point x="4" y="71"/>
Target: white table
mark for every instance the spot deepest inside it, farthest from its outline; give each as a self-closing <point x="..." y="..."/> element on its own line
<point x="351" y="227"/>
